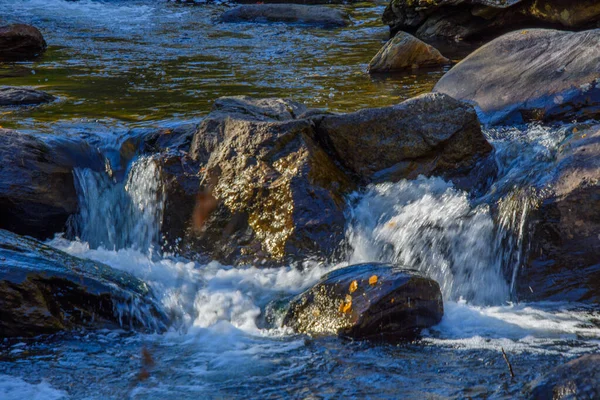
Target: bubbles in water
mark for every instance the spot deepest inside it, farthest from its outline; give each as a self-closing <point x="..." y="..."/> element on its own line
<point x="428" y="225"/>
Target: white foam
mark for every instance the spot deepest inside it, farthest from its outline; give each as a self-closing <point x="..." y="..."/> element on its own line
<point x="13" y="388"/>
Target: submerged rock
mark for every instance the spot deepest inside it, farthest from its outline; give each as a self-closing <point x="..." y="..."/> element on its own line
<point x="368" y="301"/>
<point x="15" y="96"/>
<point x="405" y="51"/>
<point x="474" y="19"/>
<point x="294" y="13"/>
<point x="44" y="290"/>
<point x="432" y="134"/>
<point x="532" y="75"/>
<point x="270" y="192"/>
<point x="565" y="244"/>
<point x="20" y="42"/>
<point x="577" y="379"/>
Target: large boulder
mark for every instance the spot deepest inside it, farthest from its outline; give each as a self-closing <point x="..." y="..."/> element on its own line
<point x="275" y="193"/>
<point x="432" y="134"/>
<point x="368" y="301"/>
<point x="293" y="13"/>
<point x="564" y="259"/>
<point x="476" y="19"/>
<point x="37" y="188"/>
<point x="43" y="290"/>
<point x="530" y="75"/>
<point x="405" y="51"/>
<point x="577" y="379"/>
<point x="15" y="96"/>
<point x="20" y="42"/>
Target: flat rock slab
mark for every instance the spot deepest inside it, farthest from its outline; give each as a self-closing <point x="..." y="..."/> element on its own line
<point x="20" y="42"/>
<point x="291" y="13"/>
<point x="530" y="75"/>
<point x="17" y="96"/>
<point x="368" y="301"/>
<point x="577" y="379"/>
<point x="405" y="51"/>
<point x="44" y="290"/>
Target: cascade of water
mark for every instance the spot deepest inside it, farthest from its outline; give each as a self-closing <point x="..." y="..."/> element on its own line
<point x="117" y="215"/>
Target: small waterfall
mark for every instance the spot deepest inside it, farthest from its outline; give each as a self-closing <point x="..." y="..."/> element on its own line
<point x="126" y="214"/>
<point x="428" y="225"/>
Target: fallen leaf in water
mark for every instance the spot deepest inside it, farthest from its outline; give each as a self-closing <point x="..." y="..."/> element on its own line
<point x="373" y="280"/>
<point x="346" y="306"/>
<point x="393" y="301"/>
<point x="523" y="32"/>
<point x="353" y="286"/>
<point x="575" y="130"/>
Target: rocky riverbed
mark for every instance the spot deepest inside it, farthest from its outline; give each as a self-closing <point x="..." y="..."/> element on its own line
<point x="265" y="201"/>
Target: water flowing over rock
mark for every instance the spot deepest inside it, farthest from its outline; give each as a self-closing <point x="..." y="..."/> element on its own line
<point x="474" y="19"/>
<point x="431" y="134"/>
<point x="14" y="96"/>
<point x="577" y="379"/>
<point x="20" y="42"/>
<point x="531" y="75"/>
<point x="405" y="51"/>
<point x="565" y="242"/>
<point x="43" y="290"/>
<point x="279" y="194"/>
<point x="293" y="13"/>
<point x="368" y="301"/>
<point x="37" y="191"/>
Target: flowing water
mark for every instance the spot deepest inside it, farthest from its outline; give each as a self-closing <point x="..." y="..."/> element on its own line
<point x="118" y="65"/>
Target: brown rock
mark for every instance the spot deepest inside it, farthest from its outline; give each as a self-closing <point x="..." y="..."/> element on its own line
<point x="20" y="42"/>
<point x="405" y="51"/>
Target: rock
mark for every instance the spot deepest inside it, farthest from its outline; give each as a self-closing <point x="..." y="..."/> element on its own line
<point x="37" y="190"/>
<point x="14" y="96"/>
<point x="431" y="134"/>
<point x="293" y="13"/>
<point x="275" y="192"/>
<point x="43" y="291"/>
<point x="20" y="42"/>
<point x="368" y="301"/>
<point x="532" y="75"/>
<point x="577" y="379"/>
<point x="476" y="19"/>
<point x="564" y="262"/>
<point x="405" y="51"/>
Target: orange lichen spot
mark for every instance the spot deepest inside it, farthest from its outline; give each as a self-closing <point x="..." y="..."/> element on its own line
<point x="353" y="286"/>
<point x="523" y="32"/>
<point x="373" y="280"/>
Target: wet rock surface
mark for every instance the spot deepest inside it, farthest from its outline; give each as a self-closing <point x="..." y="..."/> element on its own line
<point x="291" y="13"/>
<point x="565" y="244"/>
<point x="530" y="75"/>
<point x="476" y="19"/>
<point x="20" y="42"/>
<point x="276" y="193"/>
<point x="368" y="301"/>
<point x="432" y="134"/>
<point x="405" y="51"/>
<point x="14" y="96"/>
<point x="577" y="379"/>
<point x="43" y="290"/>
<point x="37" y="190"/>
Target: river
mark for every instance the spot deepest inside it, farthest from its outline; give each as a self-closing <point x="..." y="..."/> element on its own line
<point x="121" y="65"/>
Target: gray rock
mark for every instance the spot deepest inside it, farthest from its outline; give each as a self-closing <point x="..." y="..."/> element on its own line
<point x="368" y="301"/>
<point x="432" y="134"/>
<point x="16" y="96"/>
<point x="577" y="379"/>
<point x="37" y="190"/>
<point x="405" y="51"/>
<point x="292" y="13"/>
<point x="532" y="75"/>
<point x="43" y="291"/>
<point x="564" y="262"/>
